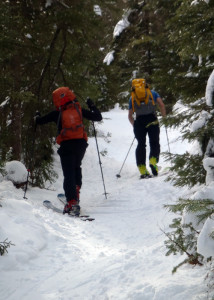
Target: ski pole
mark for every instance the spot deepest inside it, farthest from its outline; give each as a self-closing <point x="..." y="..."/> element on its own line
<point x="98" y="152"/>
<point x="118" y="175"/>
<point x="90" y="104"/>
<point x="167" y="140"/>
<point x="30" y="165"/>
<point x="170" y="155"/>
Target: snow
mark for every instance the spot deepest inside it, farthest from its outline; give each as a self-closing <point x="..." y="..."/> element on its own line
<point x="28" y="35"/>
<point x="48" y="3"/>
<point x="205" y="242"/>
<point x="201" y="121"/>
<point x="7" y="99"/>
<point x="191" y="74"/>
<point x="109" y="58"/>
<point x="120" y="26"/>
<point x="97" y="10"/>
<point x="16" y="172"/>
<point x="120" y="255"/>
<point x="210" y="90"/>
<point x="195" y="2"/>
<point x="208" y="164"/>
<point x="210" y="148"/>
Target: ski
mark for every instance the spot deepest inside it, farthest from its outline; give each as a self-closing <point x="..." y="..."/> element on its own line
<point x="146" y="177"/>
<point x="61" y="198"/>
<point x="48" y="204"/>
<point x="163" y="173"/>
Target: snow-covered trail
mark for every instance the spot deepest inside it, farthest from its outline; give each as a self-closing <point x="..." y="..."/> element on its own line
<point x="121" y="255"/>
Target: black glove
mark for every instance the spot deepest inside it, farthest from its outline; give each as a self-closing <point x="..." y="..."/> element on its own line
<point x="37" y="115"/>
<point x="90" y="103"/>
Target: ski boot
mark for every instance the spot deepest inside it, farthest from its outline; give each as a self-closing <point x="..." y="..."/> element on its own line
<point x="72" y="207"/>
<point x="144" y="172"/>
<point x="153" y="166"/>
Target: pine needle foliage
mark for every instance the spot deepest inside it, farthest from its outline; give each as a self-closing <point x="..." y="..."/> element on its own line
<point x="45" y="45"/>
<point x="183" y="237"/>
<point x="179" y="242"/>
<point x="4" y="246"/>
<point x="196" y="126"/>
<point x="186" y="169"/>
<point x="202" y="208"/>
<point x="170" y="43"/>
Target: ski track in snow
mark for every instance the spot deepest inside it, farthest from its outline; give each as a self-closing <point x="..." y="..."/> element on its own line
<point x="120" y="255"/>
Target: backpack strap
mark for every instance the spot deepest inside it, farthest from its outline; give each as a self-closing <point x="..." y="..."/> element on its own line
<point x="133" y="101"/>
<point x="150" y="95"/>
<point x="58" y="122"/>
<point x="77" y="108"/>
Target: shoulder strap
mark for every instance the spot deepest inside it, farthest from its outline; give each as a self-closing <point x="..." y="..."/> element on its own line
<point x="58" y="122"/>
<point x="78" y="110"/>
<point x="132" y="101"/>
<point x="150" y="94"/>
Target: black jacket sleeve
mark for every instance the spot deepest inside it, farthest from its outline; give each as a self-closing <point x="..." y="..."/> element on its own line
<point x="50" y="117"/>
<point x="53" y="116"/>
<point x="92" y="115"/>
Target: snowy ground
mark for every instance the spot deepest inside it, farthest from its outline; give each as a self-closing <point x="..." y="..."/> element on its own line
<point x="120" y="255"/>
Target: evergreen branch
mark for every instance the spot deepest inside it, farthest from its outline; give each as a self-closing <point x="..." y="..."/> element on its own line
<point x="47" y="65"/>
<point x="192" y="259"/>
<point x="179" y="265"/>
<point x="60" y="56"/>
<point x="212" y="235"/>
<point x="176" y="243"/>
<point x="4" y="246"/>
<point x="185" y="169"/>
<point x="202" y="208"/>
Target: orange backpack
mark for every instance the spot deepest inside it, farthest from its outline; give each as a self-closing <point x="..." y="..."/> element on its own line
<point x="71" y="115"/>
<point x="141" y="92"/>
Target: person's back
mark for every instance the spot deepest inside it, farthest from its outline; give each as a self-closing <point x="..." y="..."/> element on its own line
<point x="146" y="122"/>
<point x="72" y="139"/>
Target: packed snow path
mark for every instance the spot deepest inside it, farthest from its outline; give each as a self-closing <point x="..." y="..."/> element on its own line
<point x="121" y="255"/>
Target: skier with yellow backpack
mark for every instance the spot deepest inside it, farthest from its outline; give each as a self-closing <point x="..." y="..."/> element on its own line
<point x="142" y="115"/>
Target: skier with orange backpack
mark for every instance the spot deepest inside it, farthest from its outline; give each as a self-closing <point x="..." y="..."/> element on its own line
<point x="72" y="139"/>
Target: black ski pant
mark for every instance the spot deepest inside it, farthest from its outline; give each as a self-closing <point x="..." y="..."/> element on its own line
<point x="71" y="154"/>
<point x="143" y="126"/>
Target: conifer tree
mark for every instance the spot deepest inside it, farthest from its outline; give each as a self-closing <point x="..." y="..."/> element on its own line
<point x="193" y="21"/>
<point x="45" y="45"/>
<point x="171" y="44"/>
<point x="143" y="48"/>
<point x="191" y="78"/>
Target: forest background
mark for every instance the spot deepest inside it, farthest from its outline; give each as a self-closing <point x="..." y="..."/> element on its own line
<point x="52" y="43"/>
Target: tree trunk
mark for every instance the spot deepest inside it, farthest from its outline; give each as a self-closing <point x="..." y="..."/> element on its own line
<point x="16" y="126"/>
<point x="16" y="129"/>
